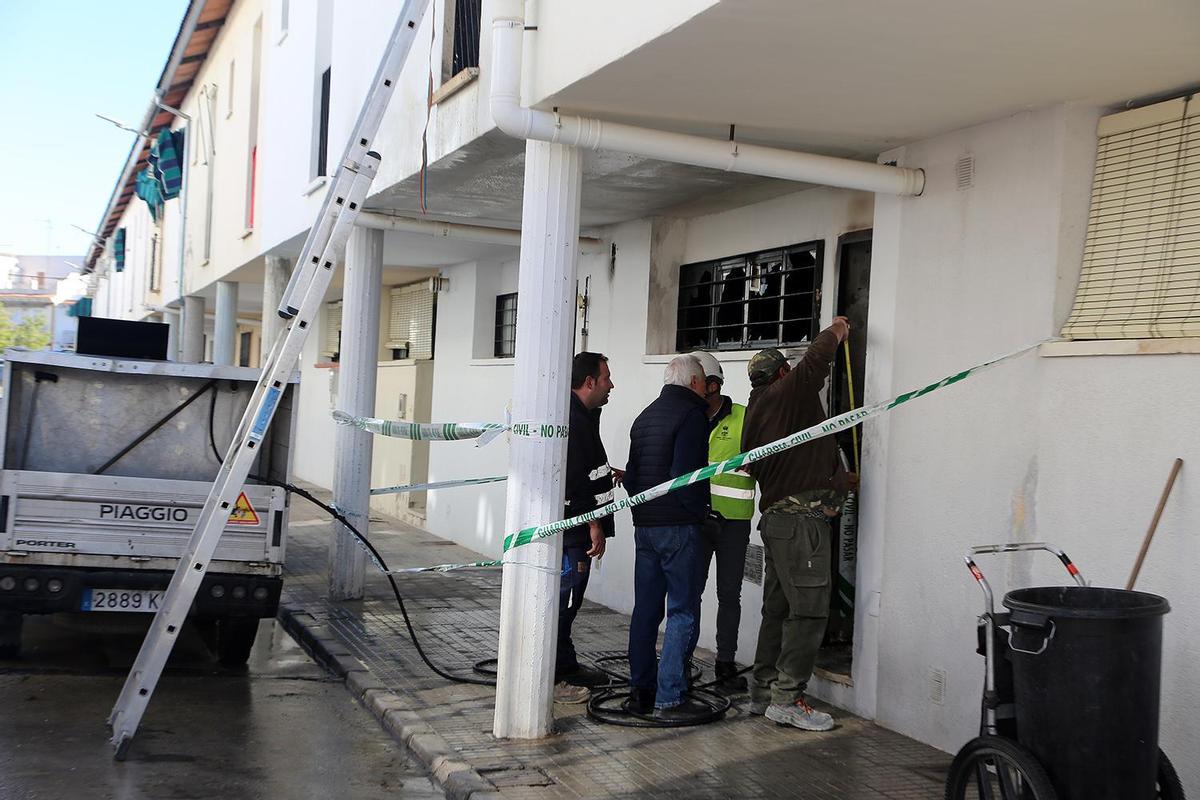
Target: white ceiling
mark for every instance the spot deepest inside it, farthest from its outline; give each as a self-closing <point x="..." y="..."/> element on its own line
<point x="856" y="77"/>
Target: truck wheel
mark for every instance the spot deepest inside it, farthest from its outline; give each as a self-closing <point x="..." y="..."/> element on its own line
<point x="10" y="634"/>
<point x="235" y="637"/>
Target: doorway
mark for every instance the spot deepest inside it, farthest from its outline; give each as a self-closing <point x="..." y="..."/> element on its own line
<point x="846" y="393"/>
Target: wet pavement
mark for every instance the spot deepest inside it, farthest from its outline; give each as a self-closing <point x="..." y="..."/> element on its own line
<point x="282" y="728"/>
<point x="457" y="616"/>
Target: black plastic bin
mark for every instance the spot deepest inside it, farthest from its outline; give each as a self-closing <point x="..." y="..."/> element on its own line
<point x="1087" y="665"/>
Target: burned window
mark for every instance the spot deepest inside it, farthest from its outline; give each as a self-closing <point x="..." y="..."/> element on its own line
<point x="766" y="299"/>
<point x="506" y="325"/>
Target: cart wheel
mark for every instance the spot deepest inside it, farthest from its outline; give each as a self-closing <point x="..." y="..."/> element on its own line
<point x="1168" y="785"/>
<point x="995" y="768"/>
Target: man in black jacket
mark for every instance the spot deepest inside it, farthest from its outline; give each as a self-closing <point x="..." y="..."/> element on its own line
<point x="589" y="481"/>
<point x="668" y="439"/>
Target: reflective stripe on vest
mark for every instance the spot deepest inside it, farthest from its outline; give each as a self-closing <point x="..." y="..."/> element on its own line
<point x="732" y="492"/>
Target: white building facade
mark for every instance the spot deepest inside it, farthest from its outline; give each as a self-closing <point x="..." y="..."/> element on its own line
<point x="1068" y="444"/>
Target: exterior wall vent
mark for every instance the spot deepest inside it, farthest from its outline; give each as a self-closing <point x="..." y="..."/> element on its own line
<point x="964" y="171"/>
<point x="937" y="685"/>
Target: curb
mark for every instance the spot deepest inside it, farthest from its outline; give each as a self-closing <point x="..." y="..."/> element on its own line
<point x="455" y="777"/>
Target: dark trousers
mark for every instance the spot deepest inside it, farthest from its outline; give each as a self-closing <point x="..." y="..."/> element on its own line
<point x="576" y="567"/>
<point x="795" y="606"/>
<point x="664" y="569"/>
<point x="727" y="539"/>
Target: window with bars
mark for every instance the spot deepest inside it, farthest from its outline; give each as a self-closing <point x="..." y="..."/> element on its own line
<point x="1141" y="259"/>
<point x="771" y="298"/>
<point x="411" y="321"/>
<point x="467" y="19"/>
<point x="506" y="326"/>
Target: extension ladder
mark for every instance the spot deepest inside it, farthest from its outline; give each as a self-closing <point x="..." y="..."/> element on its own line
<point x="301" y="302"/>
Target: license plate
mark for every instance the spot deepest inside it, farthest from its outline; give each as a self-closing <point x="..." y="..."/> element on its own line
<point x="147" y="600"/>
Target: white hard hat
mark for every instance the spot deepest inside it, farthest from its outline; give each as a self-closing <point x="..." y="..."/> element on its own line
<point x="712" y="367"/>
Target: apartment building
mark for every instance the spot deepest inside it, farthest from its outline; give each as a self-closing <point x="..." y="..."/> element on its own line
<point x="1059" y="201"/>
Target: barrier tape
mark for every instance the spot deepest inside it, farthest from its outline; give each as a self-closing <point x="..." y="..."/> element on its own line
<point x="420" y="487"/>
<point x="451" y="431"/>
<point x="826" y="428"/>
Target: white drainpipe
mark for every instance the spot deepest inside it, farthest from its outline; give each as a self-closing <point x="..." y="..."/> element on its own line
<point x="459" y="231"/>
<point x="680" y="148"/>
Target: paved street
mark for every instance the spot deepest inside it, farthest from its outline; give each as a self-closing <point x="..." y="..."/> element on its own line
<point x="457" y="616"/>
<point x="281" y="729"/>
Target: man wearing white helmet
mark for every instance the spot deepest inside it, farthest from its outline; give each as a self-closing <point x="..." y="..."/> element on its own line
<point x="727" y="533"/>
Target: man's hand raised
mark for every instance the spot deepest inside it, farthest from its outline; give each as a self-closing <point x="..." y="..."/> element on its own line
<point x="841" y="328"/>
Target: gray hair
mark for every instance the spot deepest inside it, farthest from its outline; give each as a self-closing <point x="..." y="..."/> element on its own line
<point x="682" y="369"/>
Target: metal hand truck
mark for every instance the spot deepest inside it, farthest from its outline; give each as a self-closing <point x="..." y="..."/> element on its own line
<point x="994" y="765"/>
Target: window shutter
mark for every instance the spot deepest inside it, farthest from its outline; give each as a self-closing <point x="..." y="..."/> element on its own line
<point x="333" y="330"/>
<point x="410" y="324"/>
<point x="1141" y="259"/>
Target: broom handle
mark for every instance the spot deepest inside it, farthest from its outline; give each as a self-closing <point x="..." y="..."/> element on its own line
<point x="1162" y="502"/>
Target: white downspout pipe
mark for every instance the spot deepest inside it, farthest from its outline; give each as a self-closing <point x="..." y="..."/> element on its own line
<point x="680" y="148"/>
<point x="459" y="231"/>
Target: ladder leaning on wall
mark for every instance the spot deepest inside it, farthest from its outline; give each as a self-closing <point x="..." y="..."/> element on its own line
<point x="301" y="303"/>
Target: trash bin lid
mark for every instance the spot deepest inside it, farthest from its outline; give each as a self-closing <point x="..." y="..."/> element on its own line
<point x="1086" y="602"/>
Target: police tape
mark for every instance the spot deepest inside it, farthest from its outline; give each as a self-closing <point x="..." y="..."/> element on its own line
<point x="422" y="487"/>
<point x="451" y="431"/>
<point x="826" y="428"/>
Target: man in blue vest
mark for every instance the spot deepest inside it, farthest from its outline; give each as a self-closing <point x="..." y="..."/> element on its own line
<point x="589" y="485"/>
<point x="726" y="533"/>
<point x="668" y="439"/>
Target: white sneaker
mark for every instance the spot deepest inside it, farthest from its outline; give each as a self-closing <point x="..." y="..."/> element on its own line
<point x="757" y="708"/>
<point x="566" y="693"/>
<point x="800" y="715"/>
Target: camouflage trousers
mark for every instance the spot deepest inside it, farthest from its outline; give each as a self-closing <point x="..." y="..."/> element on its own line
<point x="796" y="593"/>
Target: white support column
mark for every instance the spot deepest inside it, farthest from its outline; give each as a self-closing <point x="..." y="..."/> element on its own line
<point x="225" y="325"/>
<point x="275" y="280"/>
<point x="193" y="330"/>
<point x="541" y="384"/>
<point x="356" y="395"/>
<point x="171" y="317"/>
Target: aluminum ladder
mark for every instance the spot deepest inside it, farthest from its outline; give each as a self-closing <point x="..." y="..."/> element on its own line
<point x="301" y="303"/>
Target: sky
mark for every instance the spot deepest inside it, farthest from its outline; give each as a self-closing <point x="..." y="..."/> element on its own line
<point x="61" y="63"/>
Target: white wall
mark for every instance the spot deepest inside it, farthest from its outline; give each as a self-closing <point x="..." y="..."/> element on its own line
<point x="1067" y="450"/>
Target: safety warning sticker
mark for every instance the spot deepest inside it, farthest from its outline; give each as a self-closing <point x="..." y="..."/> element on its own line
<point x="243" y="513"/>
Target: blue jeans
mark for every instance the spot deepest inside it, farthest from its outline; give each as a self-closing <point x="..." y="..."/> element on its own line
<point x="664" y="568"/>
<point x="576" y="568"/>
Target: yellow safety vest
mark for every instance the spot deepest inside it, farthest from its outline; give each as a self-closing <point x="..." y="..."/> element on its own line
<point x="732" y="492"/>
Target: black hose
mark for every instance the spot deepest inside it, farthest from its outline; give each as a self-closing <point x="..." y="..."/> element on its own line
<point x="595" y="708"/>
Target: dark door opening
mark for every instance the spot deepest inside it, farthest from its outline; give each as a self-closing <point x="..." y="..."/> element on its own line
<point x="846" y="392"/>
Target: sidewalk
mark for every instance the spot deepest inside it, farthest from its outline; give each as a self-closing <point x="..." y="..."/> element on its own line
<point x="447" y="726"/>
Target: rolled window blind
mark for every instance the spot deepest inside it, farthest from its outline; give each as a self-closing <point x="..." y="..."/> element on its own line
<point x="333" y="330"/>
<point x="1141" y="260"/>
<point x="410" y="325"/>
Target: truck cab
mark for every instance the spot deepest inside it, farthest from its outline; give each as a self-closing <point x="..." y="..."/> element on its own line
<point x="105" y="464"/>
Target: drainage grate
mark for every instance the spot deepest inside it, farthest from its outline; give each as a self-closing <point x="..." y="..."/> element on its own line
<point x="509" y="777"/>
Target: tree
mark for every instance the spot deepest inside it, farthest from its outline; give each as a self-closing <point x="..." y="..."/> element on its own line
<point x="31" y="332"/>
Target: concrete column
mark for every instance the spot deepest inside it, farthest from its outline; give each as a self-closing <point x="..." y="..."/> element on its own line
<point x="193" y="330"/>
<point x="275" y="280"/>
<point x="352" y="448"/>
<point x="542" y="382"/>
<point x="225" y="337"/>
<point x="171" y="317"/>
